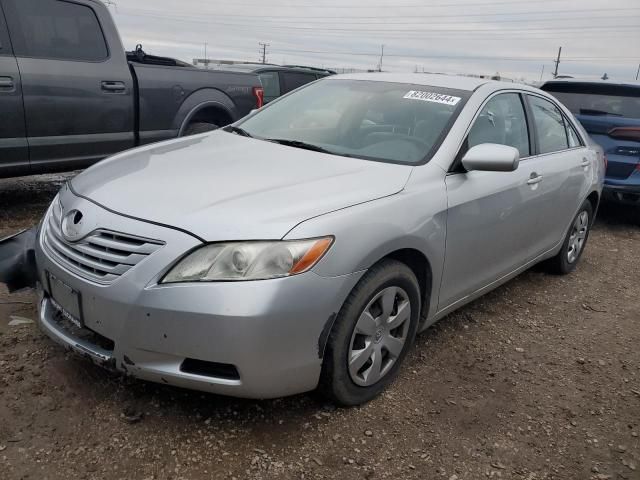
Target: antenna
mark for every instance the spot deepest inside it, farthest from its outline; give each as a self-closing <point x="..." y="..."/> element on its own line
<point x="557" y="62"/>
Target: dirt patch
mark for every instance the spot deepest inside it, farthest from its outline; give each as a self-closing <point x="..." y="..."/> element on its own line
<point x="538" y="380"/>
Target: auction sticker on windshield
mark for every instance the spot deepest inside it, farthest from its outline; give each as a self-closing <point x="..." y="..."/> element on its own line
<point x="432" y="97"/>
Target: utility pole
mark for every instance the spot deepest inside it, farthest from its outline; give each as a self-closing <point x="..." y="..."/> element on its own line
<point x="542" y="73"/>
<point x="264" y="51"/>
<point x="206" y="60"/>
<point x="638" y="72"/>
<point x="557" y="62"/>
<point x="381" y="55"/>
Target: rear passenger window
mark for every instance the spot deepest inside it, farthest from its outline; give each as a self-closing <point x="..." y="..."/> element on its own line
<point x="574" y="139"/>
<point x="271" y="85"/>
<point x="549" y="122"/>
<point x="502" y="121"/>
<point x="293" y="80"/>
<point x="5" y="47"/>
<point x="56" y="29"/>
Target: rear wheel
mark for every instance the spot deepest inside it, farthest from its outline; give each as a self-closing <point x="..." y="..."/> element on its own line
<point x="372" y="334"/>
<point x="199" y="127"/>
<point x="567" y="259"/>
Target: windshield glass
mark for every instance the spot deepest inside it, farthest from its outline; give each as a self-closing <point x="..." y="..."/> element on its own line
<point x="618" y="101"/>
<point x="392" y="122"/>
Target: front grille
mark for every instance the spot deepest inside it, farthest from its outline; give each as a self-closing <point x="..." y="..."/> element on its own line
<point x="102" y="256"/>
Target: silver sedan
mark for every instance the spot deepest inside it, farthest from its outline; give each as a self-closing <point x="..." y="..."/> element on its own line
<point x="305" y="246"/>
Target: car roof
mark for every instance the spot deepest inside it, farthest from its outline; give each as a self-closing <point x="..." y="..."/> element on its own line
<point x="579" y="81"/>
<point x="457" y="82"/>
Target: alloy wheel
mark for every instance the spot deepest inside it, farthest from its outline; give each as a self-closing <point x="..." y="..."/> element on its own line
<point x="578" y="236"/>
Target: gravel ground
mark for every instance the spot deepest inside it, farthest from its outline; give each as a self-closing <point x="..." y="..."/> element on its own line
<point x="538" y="380"/>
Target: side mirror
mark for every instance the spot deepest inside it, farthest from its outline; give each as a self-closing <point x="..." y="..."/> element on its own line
<point x="491" y="157"/>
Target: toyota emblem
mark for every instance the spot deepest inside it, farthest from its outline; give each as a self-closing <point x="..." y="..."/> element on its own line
<point x="72" y="225"/>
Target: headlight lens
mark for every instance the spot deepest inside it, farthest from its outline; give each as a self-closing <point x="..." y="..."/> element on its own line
<point x="248" y="260"/>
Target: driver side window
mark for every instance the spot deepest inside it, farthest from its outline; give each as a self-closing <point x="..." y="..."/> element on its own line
<point x="502" y="120"/>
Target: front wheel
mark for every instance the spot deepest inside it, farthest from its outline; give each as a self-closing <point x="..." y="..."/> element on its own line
<point x="567" y="259"/>
<point x="372" y="334"/>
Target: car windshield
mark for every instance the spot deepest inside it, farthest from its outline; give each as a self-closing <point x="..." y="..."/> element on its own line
<point x="596" y="99"/>
<point x="391" y="122"/>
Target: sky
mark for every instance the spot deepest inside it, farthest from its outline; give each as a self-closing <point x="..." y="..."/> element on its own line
<point x="516" y="38"/>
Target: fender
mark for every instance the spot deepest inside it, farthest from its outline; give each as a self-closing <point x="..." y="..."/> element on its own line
<point x="205" y="97"/>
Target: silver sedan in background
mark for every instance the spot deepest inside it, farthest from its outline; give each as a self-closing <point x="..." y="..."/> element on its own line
<point x="306" y="245"/>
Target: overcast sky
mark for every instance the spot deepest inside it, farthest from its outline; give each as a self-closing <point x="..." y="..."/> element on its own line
<point x="513" y="37"/>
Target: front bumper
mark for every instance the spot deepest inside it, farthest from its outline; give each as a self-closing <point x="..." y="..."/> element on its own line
<point x="272" y="332"/>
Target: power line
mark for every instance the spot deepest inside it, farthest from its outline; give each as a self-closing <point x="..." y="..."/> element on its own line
<point x="446" y="57"/>
<point x="455" y="17"/>
<point x="541" y="30"/>
<point x="386" y="5"/>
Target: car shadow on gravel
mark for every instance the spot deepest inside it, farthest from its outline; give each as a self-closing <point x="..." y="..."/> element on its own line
<point x="617" y="216"/>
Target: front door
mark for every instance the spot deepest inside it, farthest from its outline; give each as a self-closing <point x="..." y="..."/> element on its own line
<point x="14" y="153"/>
<point x="78" y="91"/>
<point x="491" y="218"/>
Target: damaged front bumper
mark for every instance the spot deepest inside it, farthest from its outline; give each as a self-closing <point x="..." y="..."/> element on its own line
<point x="255" y="339"/>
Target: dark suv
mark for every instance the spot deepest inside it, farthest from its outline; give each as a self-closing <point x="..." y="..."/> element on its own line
<point x="280" y="79"/>
<point x="610" y="112"/>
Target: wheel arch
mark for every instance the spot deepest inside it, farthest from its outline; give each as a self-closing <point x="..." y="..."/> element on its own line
<point x="419" y="264"/>
<point x="594" y="199"/>
<point x="206" y="102"/>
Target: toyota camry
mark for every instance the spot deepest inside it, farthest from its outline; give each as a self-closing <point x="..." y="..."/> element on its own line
<point x="304" y="246"/>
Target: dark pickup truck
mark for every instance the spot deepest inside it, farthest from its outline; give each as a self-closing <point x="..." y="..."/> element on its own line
<point x="70" y="95"/>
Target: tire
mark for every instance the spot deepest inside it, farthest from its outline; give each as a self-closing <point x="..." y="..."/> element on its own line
<point x="567" y="259"/>
<point x="199" y="127"/>
<point x="383" y="344"/>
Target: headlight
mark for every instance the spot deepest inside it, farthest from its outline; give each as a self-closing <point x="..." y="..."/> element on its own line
<point x="248" y="260"/>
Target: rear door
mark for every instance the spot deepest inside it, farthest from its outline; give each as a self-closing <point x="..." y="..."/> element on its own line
<point x="14" y="153"/>
<point x="564" y="166"/>
<point x="291" y="80"/>
<point x="611" y="115"/>
<point x="78" y="93"/>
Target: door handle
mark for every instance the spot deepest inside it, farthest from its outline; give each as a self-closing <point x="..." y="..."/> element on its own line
<point x="535" y="178"/>
<point x="113" y="87"/>
<point x="585" y="162"/>
<point x="6" y="82"/>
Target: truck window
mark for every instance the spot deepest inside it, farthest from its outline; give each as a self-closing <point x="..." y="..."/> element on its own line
<point x="271" y="84"/>
<point x="5" y="48"/>
<point x="293" y="80"/>
<point x="55" y="29"/>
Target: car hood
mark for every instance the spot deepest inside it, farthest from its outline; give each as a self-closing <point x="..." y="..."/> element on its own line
<point x="221" y="186"/>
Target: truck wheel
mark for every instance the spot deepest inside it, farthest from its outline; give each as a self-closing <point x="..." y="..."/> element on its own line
<point x="372" y="334"/>
<point x="199" y="127"/>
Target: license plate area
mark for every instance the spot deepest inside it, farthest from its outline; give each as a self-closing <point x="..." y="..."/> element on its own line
<point x="65" y="300"/>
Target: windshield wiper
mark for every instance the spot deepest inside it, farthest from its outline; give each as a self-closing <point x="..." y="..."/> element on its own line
<point x="590" y="111"/>
<point x="300" y="144"/>
<point x="238" y="130"/>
